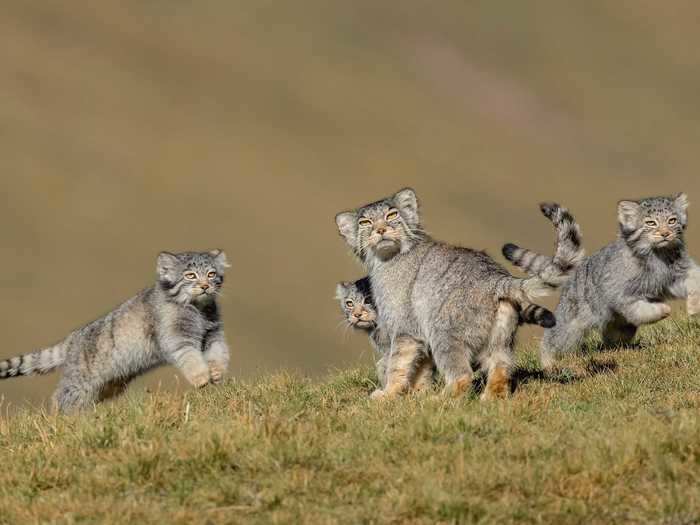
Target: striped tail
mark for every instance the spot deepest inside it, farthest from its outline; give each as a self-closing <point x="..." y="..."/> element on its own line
<point x="534" y="314"/>
<point x="36" y="363"/>
<point x="568" y="254"/>
<point x="522" y="291"/>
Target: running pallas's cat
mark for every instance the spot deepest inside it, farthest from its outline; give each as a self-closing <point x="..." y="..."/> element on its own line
<point x="625" y="284"/>
<point x="177" y="321"/>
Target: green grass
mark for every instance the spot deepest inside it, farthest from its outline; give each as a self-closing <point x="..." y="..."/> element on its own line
<point x="614" y="437"/>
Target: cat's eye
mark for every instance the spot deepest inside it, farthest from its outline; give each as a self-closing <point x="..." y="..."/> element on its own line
<point x="191" y="276"/>
<point x="365" y="222"/>
<point x="211" y="275"/>
<point x="392" y="215"/>
<point x="672" y="220"/>
<point x="349" y="304"/>
<point x="651" y="224"/>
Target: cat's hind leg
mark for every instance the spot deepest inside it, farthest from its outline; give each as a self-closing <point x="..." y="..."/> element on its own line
<point x="498" y="358"/>
<point x="453" y="360"/>
<point x="565" y="336"/>
<point x="424" y="376"/>
<point x="618" y="332"/>
<point x="112" y="389"/>
<point x="74" y="394"/>
<point x="381" y="368"/>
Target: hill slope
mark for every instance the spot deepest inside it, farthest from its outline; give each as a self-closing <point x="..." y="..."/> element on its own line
<point x="613" y="437"/>
<point x="132" y="127"/>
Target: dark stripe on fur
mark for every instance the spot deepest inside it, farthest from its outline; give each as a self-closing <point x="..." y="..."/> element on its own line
<point x="534" y="314"/>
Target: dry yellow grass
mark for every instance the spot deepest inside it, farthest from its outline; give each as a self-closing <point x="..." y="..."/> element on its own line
<point x="614" y="437"/>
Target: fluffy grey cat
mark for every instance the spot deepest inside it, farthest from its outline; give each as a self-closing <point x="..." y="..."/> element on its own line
<point x="456" y="302"/>
<point x="359" y="311"/>
<point x="177" y="321"/>
<point x="624" y="285"/>
<point x="568" y="254"/>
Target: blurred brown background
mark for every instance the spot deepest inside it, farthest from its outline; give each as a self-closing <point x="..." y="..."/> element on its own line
<point x="163" y="124"/>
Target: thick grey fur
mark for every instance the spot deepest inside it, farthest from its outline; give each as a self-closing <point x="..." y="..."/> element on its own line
<point x="177" y="321"/>
<point x="624" y="285"/>
<point x="444" y="297"/>
<point x="360" y="313"/>
<point x="568" y="254"/>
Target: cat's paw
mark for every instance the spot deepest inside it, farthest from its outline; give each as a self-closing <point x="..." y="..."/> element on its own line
<point x="378" y="395"/>
<point x="458" y="387"/>
<point x="199" y="379"/>
<point x="665" y="310"/>
<point x="217" y="373"/>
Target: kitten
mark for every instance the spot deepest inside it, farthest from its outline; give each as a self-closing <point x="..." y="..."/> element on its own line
<point x="569" y="254"/>
<point x="177" y="321"/>
<point x="358" y="308"/>
<point x="624" y="285"/>
<point x="455" y="301"/>
<point x="568" y="251"/>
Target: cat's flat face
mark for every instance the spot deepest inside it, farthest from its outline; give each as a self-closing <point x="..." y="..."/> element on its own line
<point x="357" y="307"/>
<point x="192" y="277"/>
<point x="383" y="229"/>
<point x="656" y="222"/>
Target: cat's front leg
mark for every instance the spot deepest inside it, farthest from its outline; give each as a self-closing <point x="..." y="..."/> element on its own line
<point x="405" y="352"/>
<point x="186" y="355"/>
<point x="693" y="289"/>
<point x="642" y="312"/>
<point x="216" y="354"/>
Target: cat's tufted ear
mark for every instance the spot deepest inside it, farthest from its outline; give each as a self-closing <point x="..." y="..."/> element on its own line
<point x="220" y="260"/>
<point x="406" y="202"/>
<point x="167" y="266"/>
<point x="347" y="226"/>
<point x="681" y="203"/>
<point x="342" y="289"/>
<point x="628" y="214"/>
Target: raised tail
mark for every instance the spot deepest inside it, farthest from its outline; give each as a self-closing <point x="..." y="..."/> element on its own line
<point x="535" y="314"/>
<point x="36" y="363"/>
<point x="568" y="254"/>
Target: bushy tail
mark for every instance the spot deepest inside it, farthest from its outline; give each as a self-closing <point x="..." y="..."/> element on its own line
<point x="523" y="291"/>
<point x="36" y="363"/>
<point x="534" y="314"/>
<point x="568" y="254"/>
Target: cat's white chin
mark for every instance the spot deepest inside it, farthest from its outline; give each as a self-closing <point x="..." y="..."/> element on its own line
<point x="387" y="249"/>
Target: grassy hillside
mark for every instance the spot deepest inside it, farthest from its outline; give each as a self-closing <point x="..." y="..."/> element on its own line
<point x="131" y="127"/>
<point x="613" y="437"/>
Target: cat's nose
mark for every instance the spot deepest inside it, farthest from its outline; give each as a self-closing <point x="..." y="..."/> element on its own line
<point x="204" y="287"/>
<point x="665" y="233"/>
<point x="381" y="230"/>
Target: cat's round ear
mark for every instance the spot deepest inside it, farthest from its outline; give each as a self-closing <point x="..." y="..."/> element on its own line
<point x="167" y="264"/>
<point x="406" y="201"/>
<point x="682" y="202"/>
<point x="628" y="214"/>
<point x="347" y="226"/>
<point x="220" y="259"/>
